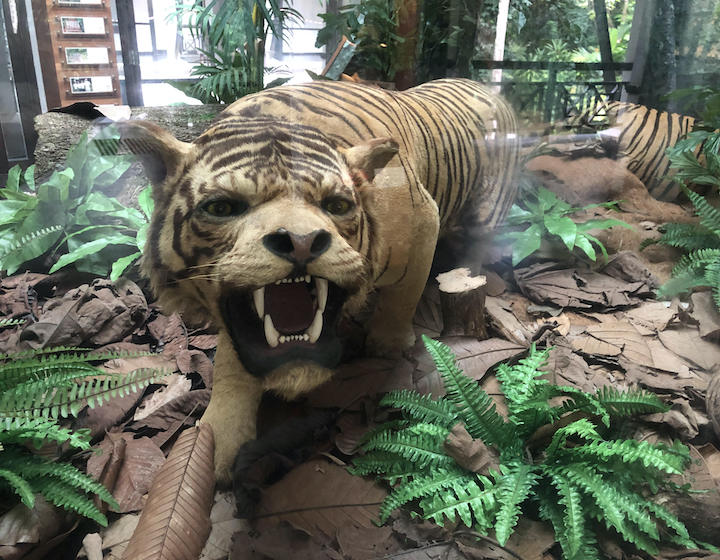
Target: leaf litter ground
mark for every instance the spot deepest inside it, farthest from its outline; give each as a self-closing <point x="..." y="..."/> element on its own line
<point x="604" y="324"/>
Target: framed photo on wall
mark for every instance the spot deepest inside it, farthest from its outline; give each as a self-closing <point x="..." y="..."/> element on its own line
<point x="72" y="25"/>
<point x="87" y="55"/>
<point x="90" y="84"/>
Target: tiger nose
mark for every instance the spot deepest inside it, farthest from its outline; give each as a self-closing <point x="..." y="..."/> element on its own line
<point x="298" y="249"/>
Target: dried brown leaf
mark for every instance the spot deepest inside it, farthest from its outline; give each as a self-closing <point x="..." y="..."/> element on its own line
<point x="652" y="316"/>
<point x="471" y="454"/>
<point x="367" y="543"/>
<point x="474" y="357"/>
<point x="190" y="361"/>
<point x="224" y="526"/>
<point x="30" y="526"/>
<point x="686" y="343"/>
<point x="706" y="314"/>
<point x="98" y="314"/>
<point x="203" y="341"/>
<point x="142" y="460"/>
<point x="280" y="542"/>
<point x="177" y="385"/>
<point x="503" y="319"/>
<point x="578" y="289"/>
<point x="361" y="378"/>
<point x="175" y="522"/>
<point x="320" y="497"/>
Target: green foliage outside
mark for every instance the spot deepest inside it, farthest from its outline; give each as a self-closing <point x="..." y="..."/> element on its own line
<point x="372" y="26"/>
<point x="548" y="218"/>
<point x="695" y="160"/>
<point x="37" y="390"/>
<point x="577" y="476"/>
<point x="555" y="30"/>
<point x="67" y="219"/>
<point x="233" y="36"/>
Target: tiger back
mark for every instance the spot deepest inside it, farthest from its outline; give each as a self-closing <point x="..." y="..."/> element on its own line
<point x="282" y="218"/>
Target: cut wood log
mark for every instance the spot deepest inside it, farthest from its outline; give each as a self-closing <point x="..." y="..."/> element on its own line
<point x="462" y="300"/>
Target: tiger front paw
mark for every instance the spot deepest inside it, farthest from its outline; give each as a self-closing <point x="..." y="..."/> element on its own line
<point x="389" y="343"/>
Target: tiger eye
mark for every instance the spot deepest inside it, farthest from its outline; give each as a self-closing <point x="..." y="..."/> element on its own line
<point x="224" y="208"/>
<point x="337" y="206"/>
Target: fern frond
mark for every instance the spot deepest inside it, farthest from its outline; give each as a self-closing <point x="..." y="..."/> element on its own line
<point x="436" y="480"/>
<point x="681" y="537"/>
<point x="388" y="465"/>
<point x="688" y="237"/>
<point x="572" y="525"/>
<point x="696" y="260"/>
<point x="632" y="451"/>
<point x="29" y="238"/>
<point x="32" y="467"/>
<point x="709" y="215"/>
<point x="422" y="408"/>
<point x="19" y="485"/>
<point x="513" y="489"/>
<point x="19" y="430"/>
<point x="68" y="398"/>
<point x="474" y="405"/>
<point x="582" y="428"/>
<point x="579" y="400"/>
<point x="473" y="502"/>
<point x="421" y="444"/>
<point x="64" y="496"/>
<point x="629" y="403"/>
<point x="681" y="283"/>
<point x="604" y="496"/>
<point x="520" y="381"/>
<point x="712" y="278"/>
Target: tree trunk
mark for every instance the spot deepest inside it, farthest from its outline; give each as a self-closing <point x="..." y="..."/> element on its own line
<point x="603" y="33"/>
<point x="408" y="28"/>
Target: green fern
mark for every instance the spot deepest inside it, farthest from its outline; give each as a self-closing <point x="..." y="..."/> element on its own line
<point x="700" y="266"/>
<point x="577" y="478"/>
<point x="37" y="389"/>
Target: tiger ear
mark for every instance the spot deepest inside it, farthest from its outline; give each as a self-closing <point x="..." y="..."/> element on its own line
<point x="160" y="152"/>
<point x="366" y="159"/>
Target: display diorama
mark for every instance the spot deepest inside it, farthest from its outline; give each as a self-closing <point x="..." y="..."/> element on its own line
<point x="351" y="319"/>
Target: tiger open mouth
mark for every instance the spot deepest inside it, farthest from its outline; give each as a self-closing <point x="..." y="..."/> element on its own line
<point x="294" y="318"/>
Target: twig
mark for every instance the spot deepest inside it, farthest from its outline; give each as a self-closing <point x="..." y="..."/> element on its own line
<point x="489" y="540"/>
<point x="414" y="550"/>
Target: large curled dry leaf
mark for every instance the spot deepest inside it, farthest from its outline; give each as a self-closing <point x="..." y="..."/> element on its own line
<point x="175" y="522"/>
<point x="320" y="497"/>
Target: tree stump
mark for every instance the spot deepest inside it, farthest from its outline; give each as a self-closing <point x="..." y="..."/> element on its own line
<point x="712" y="403"/>
<point x="462" y="300"/>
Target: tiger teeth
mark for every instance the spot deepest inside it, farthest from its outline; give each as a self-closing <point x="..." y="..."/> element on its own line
<point x="259" y="301"/>
<point x="313" y="332"/>
<point x="271" y="334"/>
<point x="305" y="279"/>
<point x="322" y="292"/>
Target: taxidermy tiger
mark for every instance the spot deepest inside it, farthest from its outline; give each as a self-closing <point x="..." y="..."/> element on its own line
<point x="300" y="202"/>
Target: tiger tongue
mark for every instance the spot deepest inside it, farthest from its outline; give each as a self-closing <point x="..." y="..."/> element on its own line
<point x="290" y="306"/>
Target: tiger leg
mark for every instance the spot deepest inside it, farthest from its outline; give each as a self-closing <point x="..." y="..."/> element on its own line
<point x="390" y="329"/>
<point x="233" y="407"/>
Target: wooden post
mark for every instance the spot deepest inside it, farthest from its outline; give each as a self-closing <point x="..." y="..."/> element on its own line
<point x="462" y="300"/>
<point x="130" y="55"/>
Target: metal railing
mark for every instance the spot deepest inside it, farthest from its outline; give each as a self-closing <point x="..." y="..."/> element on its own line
<point x="552" y="98"/>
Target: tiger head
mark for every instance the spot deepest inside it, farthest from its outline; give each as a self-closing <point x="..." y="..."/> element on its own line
<point x="262" y="227"/>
